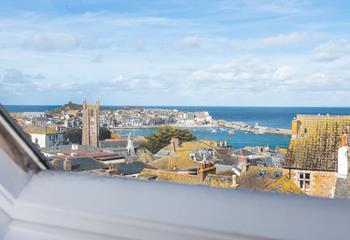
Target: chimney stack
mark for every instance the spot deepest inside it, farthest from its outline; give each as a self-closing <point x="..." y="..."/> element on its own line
<point x="67" y="164"/>
<point x="343" y="153"/>
<point x="175" y="142"/>
<point x="201" y="172"/>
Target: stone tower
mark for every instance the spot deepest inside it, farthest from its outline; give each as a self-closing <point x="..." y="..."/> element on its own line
<point x="90" y="124"/>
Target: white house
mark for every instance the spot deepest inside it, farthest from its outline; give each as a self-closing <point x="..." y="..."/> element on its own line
<point x="44" y="136"/>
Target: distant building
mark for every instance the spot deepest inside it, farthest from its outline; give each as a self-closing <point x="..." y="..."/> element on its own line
<point x="90" y="133"/>
<point x="184" y="156"/>
<point x="45" y="136"/>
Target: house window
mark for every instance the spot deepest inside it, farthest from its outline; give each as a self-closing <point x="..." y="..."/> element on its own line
<point x="304" y="180"/>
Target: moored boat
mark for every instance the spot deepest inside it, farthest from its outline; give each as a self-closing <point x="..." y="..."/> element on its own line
<point x="231" y="131"/>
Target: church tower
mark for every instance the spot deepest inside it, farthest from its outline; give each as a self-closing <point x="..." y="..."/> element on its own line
<point x="90" y="124"/>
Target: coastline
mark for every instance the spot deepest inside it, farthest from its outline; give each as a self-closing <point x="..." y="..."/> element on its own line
<point x="240" y="126"/>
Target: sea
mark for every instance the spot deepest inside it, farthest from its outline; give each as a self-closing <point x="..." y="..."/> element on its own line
<point x="276" y="117"/>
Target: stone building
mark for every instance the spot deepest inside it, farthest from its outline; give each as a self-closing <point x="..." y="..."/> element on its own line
<point x="90" y="133"/>
<point x="316" y="152"/>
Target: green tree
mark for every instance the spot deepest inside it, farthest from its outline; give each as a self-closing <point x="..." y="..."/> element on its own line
<point x="73" y="135"/>
<point x="162" y="136"/>
<point x="105" y="133"/>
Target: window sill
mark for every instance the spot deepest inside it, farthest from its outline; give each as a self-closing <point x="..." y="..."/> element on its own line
<point x="89" y="206"/>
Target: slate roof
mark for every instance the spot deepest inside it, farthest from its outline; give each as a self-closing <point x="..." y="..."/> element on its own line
<point x="226" y="172"/>
<point x="219" y="181"/>
<point x="257" y="178"/>
<point x="118" y="143"/>
<point x="129" y="168"/>
<point x="185" y="148"/>
<point x="96" y="154"/>
<point x="42" y="130"/>
<point x="175" y="162"/>
<point x="316" y="142"/>
<point x="242" y="152"/>
<point x="169" y="176"/>
<point x="182" y="160"/>
<point x="78" y="164"/>
<point x="178" y="177"/>
<point x="226" y="156"/>
<point x="144" y="155"/>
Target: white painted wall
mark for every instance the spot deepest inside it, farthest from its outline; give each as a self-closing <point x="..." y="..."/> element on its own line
<point x="343" y="162"/>
<point x="46" y="140"/>
<point x="39" y="139"/>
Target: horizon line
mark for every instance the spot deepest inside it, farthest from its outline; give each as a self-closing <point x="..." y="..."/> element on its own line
<point x="128" y="105"/>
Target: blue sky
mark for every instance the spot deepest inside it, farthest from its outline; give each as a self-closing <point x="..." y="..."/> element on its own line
<point x="234" y="53"/>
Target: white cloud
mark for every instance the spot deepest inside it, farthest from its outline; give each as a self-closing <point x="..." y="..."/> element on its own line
<point x="48" y="42"/>
<point x="284" y="73"/>
<point x="331" y="50"/>
<point x="270" y="6"/>
<point x="118" y="79"/>
<point x="279" y="6"/>
<point x="17" y="82"/>
<point x="61" y="42"/>
<point x="241" y="74"/>
<point x="97" y="59"/>
<point x="285" y="39"/>
<point x="191" y="41"/>
<point x="65" y="50"/>
<point x="87" y="31"/>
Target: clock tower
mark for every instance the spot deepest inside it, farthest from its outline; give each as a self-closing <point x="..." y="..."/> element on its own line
<point x="90" y="124"/>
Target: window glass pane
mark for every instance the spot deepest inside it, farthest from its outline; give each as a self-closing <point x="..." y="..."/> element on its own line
<point x="301" y="184"/>
<point x="154" y="90"/>
<point x="307" y="185"/>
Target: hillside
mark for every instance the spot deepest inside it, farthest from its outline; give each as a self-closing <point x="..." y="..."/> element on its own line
<point x="66" y="107"/>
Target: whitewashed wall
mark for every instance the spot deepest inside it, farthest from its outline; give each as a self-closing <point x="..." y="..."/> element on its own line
<point x="41" y="139"/>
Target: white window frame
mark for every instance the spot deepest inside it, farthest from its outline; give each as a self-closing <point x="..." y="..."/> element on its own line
<point x="304" y="180"/>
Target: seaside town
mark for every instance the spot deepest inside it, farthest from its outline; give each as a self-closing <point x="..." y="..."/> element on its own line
<point x="174" y="120"/>
<point x="81" y="137"/>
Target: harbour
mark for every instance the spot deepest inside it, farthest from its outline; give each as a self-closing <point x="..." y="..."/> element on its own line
<point x="238" y="140"/>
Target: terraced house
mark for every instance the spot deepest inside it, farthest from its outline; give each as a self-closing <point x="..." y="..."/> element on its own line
<point x="317" y="156"/>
